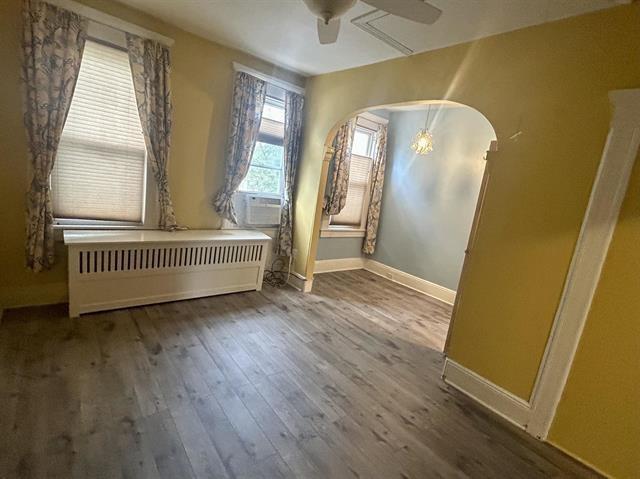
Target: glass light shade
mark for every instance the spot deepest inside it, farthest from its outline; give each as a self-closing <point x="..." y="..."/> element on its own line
<point x="423" y="142"/>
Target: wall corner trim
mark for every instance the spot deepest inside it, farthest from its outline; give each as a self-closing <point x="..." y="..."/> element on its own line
<point x="300" y="283"/>
<point x="596" y="232"/>
<point x="491" y="396"/>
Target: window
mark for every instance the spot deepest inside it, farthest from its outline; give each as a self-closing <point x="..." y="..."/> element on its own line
<point x="265" y="175"/>
<point x="351" y="220"/>
<point x="362" y="143"/>
<point x="352" y="213"/>
<point x="100" y="168"/>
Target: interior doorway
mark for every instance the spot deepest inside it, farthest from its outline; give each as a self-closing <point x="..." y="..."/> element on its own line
<point x="429" y="209"/>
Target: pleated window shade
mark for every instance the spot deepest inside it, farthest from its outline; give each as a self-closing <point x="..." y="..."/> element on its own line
<point x="99" y="172"/>
<point x="351" y="214"/>
<point x="272" y="128"/>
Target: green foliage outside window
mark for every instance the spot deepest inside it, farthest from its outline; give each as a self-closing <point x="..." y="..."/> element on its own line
<point x="265" y="170"/>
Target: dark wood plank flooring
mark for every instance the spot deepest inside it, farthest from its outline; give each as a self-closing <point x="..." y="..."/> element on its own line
<point x="341" y="383"/>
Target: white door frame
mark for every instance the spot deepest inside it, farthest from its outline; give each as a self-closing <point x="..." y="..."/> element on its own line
<point x="597" y="229"/>
<point x="536" y="414"/>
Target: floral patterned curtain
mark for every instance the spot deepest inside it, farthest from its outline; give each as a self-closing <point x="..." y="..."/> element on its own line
<point x="151" y="69"/>
<point x="375" y="199"/>
<point x="52" y="45"/>
<point x="293" y="104"/>
<point x="246" y="112"/>
<point x="338" y="181"/>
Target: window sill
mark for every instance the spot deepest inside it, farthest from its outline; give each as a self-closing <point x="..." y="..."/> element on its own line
<point x="342" y="233"/>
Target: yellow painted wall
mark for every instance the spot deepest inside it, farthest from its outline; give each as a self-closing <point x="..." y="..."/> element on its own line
<point x="202" y="86"/>
<point x="550" y="82"/>
<point x="599" y="414"/>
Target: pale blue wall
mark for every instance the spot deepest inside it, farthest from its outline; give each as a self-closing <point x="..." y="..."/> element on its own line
<point x="338" y="248"/>
<point x="429" y="201"/>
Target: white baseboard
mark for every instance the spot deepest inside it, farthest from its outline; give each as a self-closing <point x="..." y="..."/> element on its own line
<point x="342" y="264"/>
<point x="300" y="283"/>
<point x="445" y="295"/>
<point x="498" y="400"/>
<point x="436" y="291"/>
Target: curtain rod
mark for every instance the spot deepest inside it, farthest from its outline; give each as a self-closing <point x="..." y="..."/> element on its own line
<point x="110" y="21"/>
<point x="285" y="85"/>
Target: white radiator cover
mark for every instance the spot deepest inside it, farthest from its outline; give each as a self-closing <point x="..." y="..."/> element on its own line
<point x="117" y="269"/>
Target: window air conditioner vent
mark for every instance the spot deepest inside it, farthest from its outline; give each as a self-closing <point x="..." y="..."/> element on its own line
<point x="262" y="211"/>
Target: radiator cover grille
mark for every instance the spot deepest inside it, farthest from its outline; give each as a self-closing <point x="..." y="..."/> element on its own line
<point x="156" y="258"/>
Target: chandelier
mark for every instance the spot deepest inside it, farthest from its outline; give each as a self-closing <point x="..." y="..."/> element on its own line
<point x="423" y="141"/>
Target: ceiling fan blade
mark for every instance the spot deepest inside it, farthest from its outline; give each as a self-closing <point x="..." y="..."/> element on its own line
<point x="414" y="10"/>
<point x="328" y="32"/>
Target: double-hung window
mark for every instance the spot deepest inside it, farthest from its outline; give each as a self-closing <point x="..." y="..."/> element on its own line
<point x="354" y="212"/>
<point x="265" y="176"/>
<point x="99" y="175"/>
<point x="259" y="196"/>
<point x="351" y="221"/>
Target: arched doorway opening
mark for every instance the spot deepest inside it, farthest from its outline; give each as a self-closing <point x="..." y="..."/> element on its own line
<point x="430" y="205"/>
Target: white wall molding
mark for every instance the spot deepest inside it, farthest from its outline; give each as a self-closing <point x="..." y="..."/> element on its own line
<point x="285" y="85"/>
<point x="300" y="283"/>
<point x="341" y="264"/>
<point x="597" y="229"/>
<point x="418" y="284"/>
<point x="110" y="21"/>
<point x="498" y="400"/>
<point x="423" y="286"/>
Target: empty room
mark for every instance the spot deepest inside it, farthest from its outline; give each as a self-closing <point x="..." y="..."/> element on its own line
<point x="319" y="239"/>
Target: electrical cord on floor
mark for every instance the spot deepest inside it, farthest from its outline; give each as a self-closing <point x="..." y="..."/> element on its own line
<point x="276" y="276"/>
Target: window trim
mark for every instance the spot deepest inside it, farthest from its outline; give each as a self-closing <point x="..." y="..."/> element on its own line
<point x="277" y="82"/>
<point x="345" y="230"/>
<point x="365" y="121"/>
<point x="329" y="231"/>
<point x="115" y="39"/>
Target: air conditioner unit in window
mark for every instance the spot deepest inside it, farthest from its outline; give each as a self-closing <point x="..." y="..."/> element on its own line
<point x="262" y="211"/>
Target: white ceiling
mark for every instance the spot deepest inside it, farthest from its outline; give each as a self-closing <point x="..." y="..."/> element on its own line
<point x="284" y="31"/>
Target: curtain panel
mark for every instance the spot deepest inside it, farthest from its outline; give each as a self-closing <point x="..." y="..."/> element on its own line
<point x="52" y="44"/>
<point x="293" y="106"/>
<point x="338" y="180"/>
<point x="246" y="113"/>
<point x="375" y="199"/>
<point x="151" y="70"/>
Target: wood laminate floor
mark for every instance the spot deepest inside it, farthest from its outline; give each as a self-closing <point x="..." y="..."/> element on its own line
<point x="341" y="383"/>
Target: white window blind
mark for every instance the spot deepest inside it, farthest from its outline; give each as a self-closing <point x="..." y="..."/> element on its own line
<point x="273" y="129"/>
<point x="272" y="123"/>
<point x="100" y="168"/>
<point x="351" y="214"/>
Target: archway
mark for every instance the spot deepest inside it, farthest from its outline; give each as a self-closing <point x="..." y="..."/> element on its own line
<point x="430" y="203"/>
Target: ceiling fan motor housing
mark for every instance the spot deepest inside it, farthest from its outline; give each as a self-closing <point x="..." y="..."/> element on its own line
<point x="329" y="9"/>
